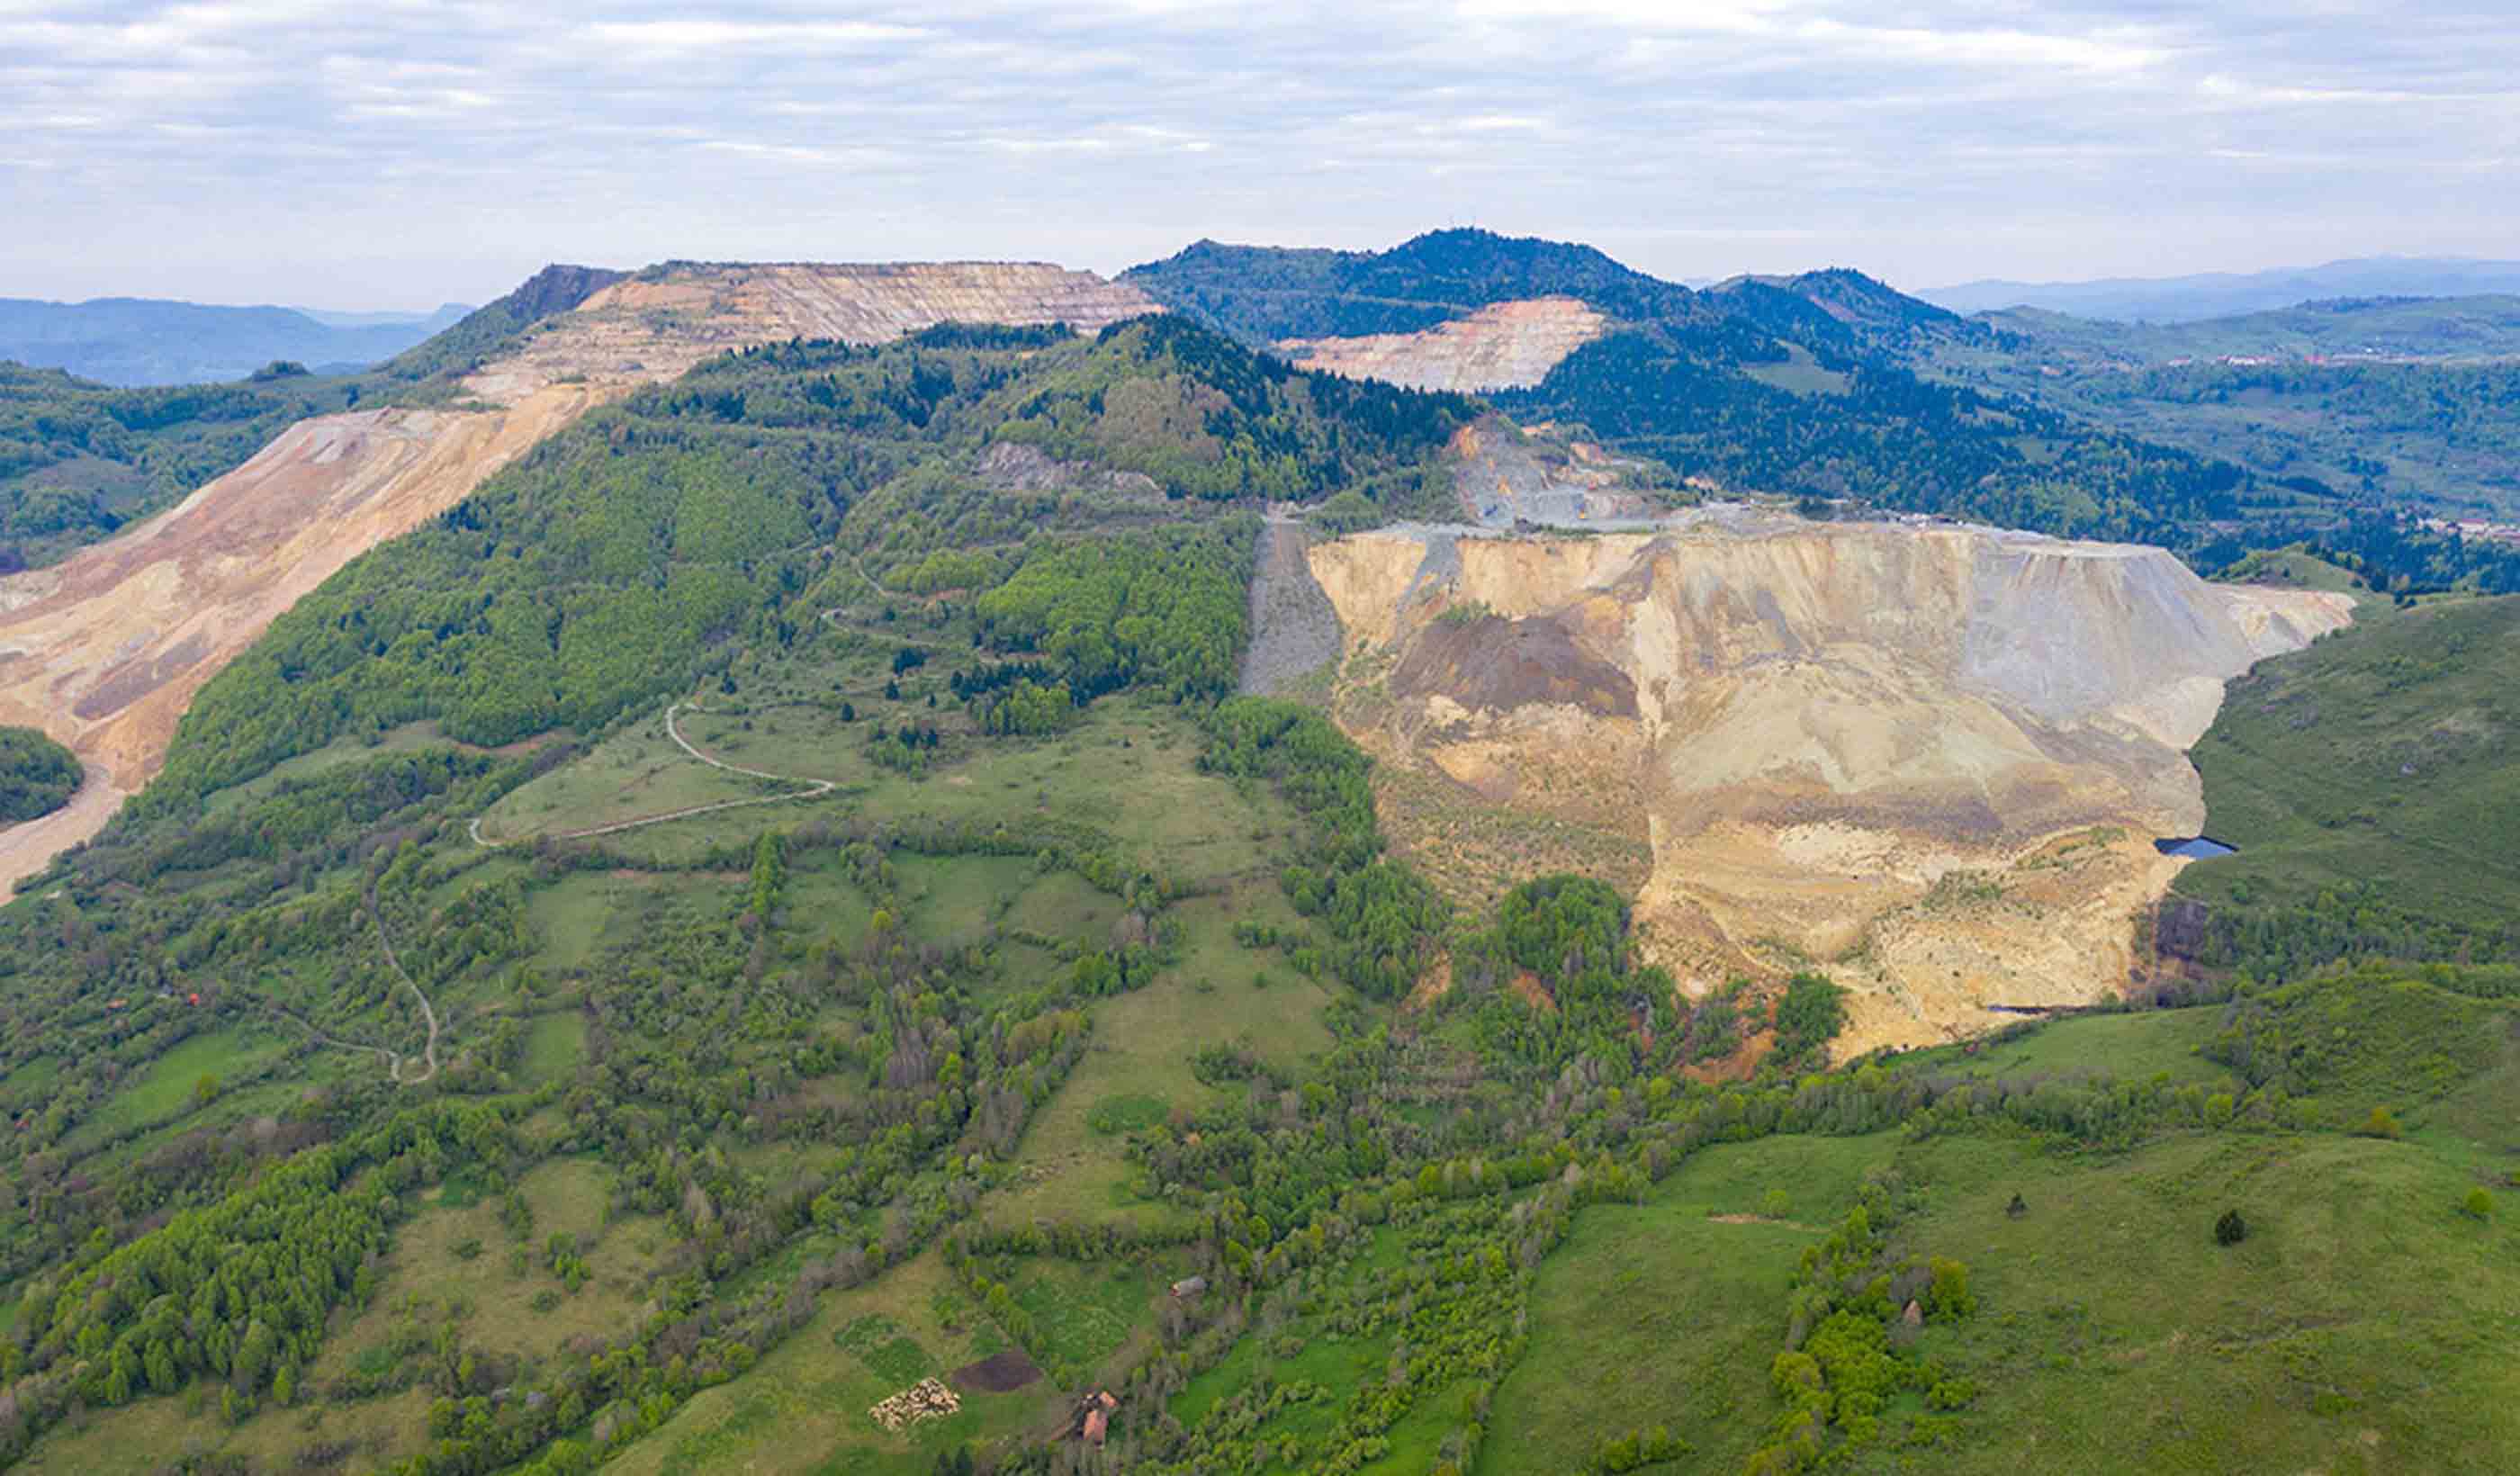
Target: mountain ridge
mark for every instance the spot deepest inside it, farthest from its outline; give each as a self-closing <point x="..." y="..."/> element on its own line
<point x="137" y="341"/>
<point x="2192" y="296"/>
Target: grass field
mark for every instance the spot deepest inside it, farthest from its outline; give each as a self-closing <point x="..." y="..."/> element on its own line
<point x="2382" y="754"/>
<point x="588" y="911"/>
<point x="1086" y="1310"/>
<point x="164" y="1089"/>
<point x="803" y="1408"/>
<point x="153" y="1435"/>
<point x="1664" y="1314"/>
<point x="2115" y="1335"/>
<point x="1142" y="1049"/>
<point x="332" y="755"/>
<point x="1128" y="770"/>
<point x="2361" y="1325"/>
<point x="554" y="1046"/>
<point x="2130" y="1047"/>
<point x="637" y="773"/>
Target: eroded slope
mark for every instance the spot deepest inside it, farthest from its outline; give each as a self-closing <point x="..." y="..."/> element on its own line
<point x="104" y="650"/>
<point x="1933" y="758"/>
<point x="1504" y="345"/>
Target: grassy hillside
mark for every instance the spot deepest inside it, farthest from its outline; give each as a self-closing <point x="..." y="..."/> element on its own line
<point x="761" y="940"/>
<point x="2370" y="781"/>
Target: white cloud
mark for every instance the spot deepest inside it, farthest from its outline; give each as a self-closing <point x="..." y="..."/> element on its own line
<point x="1993" y="137"/>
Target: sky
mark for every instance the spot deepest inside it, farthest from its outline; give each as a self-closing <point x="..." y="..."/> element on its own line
<point x="400" y="153"/>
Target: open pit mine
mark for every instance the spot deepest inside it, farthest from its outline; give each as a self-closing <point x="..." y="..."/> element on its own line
<point x="104" y="650"/>
<point x="1928" y="759"/>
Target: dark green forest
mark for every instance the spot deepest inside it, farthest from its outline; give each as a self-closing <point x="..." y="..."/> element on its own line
<point x="1896" y="404"/>
<point x="37" y="776"/>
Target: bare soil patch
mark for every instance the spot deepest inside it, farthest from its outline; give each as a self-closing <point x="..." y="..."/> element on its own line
<point x="998" y="1373"/>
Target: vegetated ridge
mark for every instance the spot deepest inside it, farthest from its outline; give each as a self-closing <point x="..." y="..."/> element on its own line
<point x="1088" y="1033"/>
<point x="104" y="650"/>
<point x="1826" y="384"/>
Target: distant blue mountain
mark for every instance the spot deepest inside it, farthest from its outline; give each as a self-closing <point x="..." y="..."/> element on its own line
<point x="137" y="340"/>
<point x="448" y="315"/>
<point x="2223" y="294"/>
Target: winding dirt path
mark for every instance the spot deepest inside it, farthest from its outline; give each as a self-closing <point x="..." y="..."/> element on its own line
<point x="393" y="1060"/>
<point x="393" y="1063"/>
<point x="815" y="789"/>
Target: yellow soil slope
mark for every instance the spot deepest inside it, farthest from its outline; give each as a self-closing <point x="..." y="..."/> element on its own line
<point x="1506" y="346"/>
<point x="104" y="650"/>
<point x="1932" y="759"/>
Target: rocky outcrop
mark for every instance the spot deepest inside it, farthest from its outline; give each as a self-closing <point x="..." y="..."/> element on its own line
<point x="104" y="650"/>
<point x="1506" y="346"/>
<point x="1931" y="757"/>
<point x="1503" y="473"/>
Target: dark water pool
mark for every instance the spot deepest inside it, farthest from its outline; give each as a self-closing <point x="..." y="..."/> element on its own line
<point x="2197" y="847"/>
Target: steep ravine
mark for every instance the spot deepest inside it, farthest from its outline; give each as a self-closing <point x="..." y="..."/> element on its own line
<point x="104" y="650"/>
<point x="1929" y="759"/>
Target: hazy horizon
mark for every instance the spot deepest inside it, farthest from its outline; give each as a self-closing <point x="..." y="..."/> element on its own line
<point x="276" y="152"/>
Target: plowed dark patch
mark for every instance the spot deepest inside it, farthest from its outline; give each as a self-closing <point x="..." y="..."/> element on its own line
<point x="998" y="1373"/>
<point x="1500" y="664"/>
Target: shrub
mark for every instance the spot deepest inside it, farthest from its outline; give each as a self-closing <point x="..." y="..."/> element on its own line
<point x="2479" y="1204"/>
<point x="2382" y="1123"/>
<point x="1951" y="1299"/>
<point x="2230" y="1229"/>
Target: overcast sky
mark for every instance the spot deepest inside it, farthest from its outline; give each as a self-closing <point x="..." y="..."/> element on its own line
<point x="398" y="153"/>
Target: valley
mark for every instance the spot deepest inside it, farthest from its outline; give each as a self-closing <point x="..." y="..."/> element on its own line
<point x="1455" y="859"/>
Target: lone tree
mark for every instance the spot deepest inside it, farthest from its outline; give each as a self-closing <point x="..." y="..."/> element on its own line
<point x="2230" y="1229"/>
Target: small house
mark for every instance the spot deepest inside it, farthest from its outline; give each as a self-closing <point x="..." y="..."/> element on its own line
<point x="1189" y="1286"/>
<point x="1097" y="1416"/>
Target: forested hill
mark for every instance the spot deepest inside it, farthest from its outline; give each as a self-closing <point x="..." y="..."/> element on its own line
<point x="1264" y="293"/>
<point x="1830" y="385"/>
<point x="606" y="568"/>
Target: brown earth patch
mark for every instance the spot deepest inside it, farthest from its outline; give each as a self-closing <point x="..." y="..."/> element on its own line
<point x="1490" y="662"/>
<point x="998" y="1373"/>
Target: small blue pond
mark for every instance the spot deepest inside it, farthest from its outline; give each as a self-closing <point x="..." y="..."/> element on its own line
<point x="2195" y="847"/>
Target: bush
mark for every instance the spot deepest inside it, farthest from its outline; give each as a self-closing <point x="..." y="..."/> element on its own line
<point x="1951" y="1394"/>
<point x="2382" y="1123"/>
<point x="2478" y="1204"/>
<point x="2230" y="1229"/>
<point x="1951" y="1299"/>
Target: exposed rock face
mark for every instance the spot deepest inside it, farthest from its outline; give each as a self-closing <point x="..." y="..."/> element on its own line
<point x="1506" y="346"/>
<point x="104" y="650"/>
<point x="1505" y="474"/>
<point x="1931" y="758"/>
